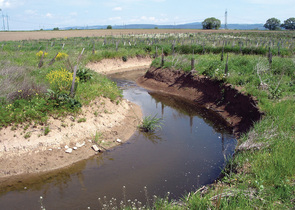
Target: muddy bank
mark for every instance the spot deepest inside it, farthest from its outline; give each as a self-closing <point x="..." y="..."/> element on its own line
<point x="240" y="111"/>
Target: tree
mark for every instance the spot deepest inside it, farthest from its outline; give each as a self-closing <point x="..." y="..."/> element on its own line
<point x="211" y="23"/>
<point x="272" y="24"/>
<point x="109" y="27"/>
<point x="56" y="29"/>
<point x="289" y="24"/>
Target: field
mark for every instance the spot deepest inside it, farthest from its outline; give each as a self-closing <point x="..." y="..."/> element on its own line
<point x="260" y="64"/>
<point x="36" y="35"/>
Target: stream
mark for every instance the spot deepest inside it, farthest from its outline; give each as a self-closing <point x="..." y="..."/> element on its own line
<point x="188" y="152"/>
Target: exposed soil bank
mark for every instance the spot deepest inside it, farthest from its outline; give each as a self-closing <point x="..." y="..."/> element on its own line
<point x="110" y="66"/>
<point x="40" y="153"/>
<point x="239" y="110"/>
<point x="22" y="156"/>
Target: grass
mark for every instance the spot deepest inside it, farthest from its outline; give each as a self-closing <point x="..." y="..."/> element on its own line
<point x="46" y="130"/>
<point x="29" y="96"/>
<point x="262" y="177"/>
<point x="150" y="124"/>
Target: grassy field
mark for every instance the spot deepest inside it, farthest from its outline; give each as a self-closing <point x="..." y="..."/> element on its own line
<point x="262" y="173"/>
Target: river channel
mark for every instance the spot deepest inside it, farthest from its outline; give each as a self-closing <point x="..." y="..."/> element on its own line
<point x="188" y="152"/>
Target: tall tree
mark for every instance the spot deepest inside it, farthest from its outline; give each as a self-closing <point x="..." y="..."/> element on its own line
<point x="211" y="23"/>
<point x="289" y="24"/>
<point x="272" y="24"/>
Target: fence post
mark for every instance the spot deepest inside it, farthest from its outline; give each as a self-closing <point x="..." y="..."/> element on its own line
<point x="74" y="74"/>
<point x="226" y="66"/>
<point x="193" y="61"/>
<point x="93" y="47"/>
<point x="52" y="60"/>
<point x="41" y="60"/>
<point x="162" y="63"/>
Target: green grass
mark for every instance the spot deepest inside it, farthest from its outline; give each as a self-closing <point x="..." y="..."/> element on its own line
<point x="150" y="124"/>
<point x="258" y="178"/>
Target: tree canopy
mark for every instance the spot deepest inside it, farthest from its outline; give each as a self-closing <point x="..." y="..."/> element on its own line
<point x="272" y="24"/>
<point x="109" y="27"/>
<point x="211" y="23"/>
<point x="289" y="24"/>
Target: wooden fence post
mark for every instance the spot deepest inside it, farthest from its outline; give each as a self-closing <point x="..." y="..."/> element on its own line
<point x="162" y="63"/>
<point x="193" y="61"/>
<point x="52" y="60"/>
<point x="226" y="66"/>
<point x="93" y="47"/>
<point x="41" y="60"/>
<point x="74" y="74"/>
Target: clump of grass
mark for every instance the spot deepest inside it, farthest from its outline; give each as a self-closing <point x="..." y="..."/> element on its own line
<point x="46" y="130"/>
<point x="82" y="120"/>
<point x="27" y="135"/>
<point x="150" y="124"/>
<point x="97" y="137"/>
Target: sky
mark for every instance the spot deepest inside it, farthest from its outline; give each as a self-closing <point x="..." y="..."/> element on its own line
<point x="40" y="14"/>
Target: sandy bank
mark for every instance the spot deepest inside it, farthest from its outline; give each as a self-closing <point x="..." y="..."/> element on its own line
<point x="23" y="155"/>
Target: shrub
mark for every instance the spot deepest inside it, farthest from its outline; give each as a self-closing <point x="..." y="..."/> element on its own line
<point x="40" y="53"/>
<point x="124" y="58"/>
<point x="61" y="56"/>
<point x="84" y="74"/>
<point x="60" y="80"/>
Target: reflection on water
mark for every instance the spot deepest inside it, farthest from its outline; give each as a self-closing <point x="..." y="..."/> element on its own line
<point x="189" y="151"/>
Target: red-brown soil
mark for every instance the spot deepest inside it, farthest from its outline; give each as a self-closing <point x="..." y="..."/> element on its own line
<point x="239" y="110"/>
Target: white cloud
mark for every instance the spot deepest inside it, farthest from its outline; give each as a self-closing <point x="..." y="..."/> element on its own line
<point x="49" y="15"/>
<point x="117" y="9"/>
<point x="5" y="3"/>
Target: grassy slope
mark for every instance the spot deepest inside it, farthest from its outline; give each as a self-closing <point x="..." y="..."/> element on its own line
<point x="261" y="177"/>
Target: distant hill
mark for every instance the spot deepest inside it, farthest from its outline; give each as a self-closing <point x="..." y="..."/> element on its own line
<point x="196" y="25"/>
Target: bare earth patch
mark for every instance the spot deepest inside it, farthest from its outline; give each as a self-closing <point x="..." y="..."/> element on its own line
<point x="109" y="66"/>
<point x="26" y="150"/>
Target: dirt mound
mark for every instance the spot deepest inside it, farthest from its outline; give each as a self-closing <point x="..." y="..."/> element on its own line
<point x="239" y="110"/>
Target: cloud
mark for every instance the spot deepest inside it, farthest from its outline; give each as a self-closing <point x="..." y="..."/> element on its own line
<point x="117" y="9"/>
<point x="5" y="3"/>
<point x="49" y="15"/>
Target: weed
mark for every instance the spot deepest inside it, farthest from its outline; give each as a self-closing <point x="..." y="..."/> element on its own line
<point x="150" y="124"/>
<point x="46" y="130"/>
<point x="97" y="137"/>
<point x="82" y="120"/>
<point x="27" y="135"/>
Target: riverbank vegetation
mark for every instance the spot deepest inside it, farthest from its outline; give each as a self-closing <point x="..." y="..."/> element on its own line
<point x="262" y="172"/>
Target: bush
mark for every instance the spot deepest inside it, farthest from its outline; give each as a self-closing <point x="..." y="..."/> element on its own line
<point x="84" y="74"/>
<point x="60" y="80"/>
<point x="124" y="58"/>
